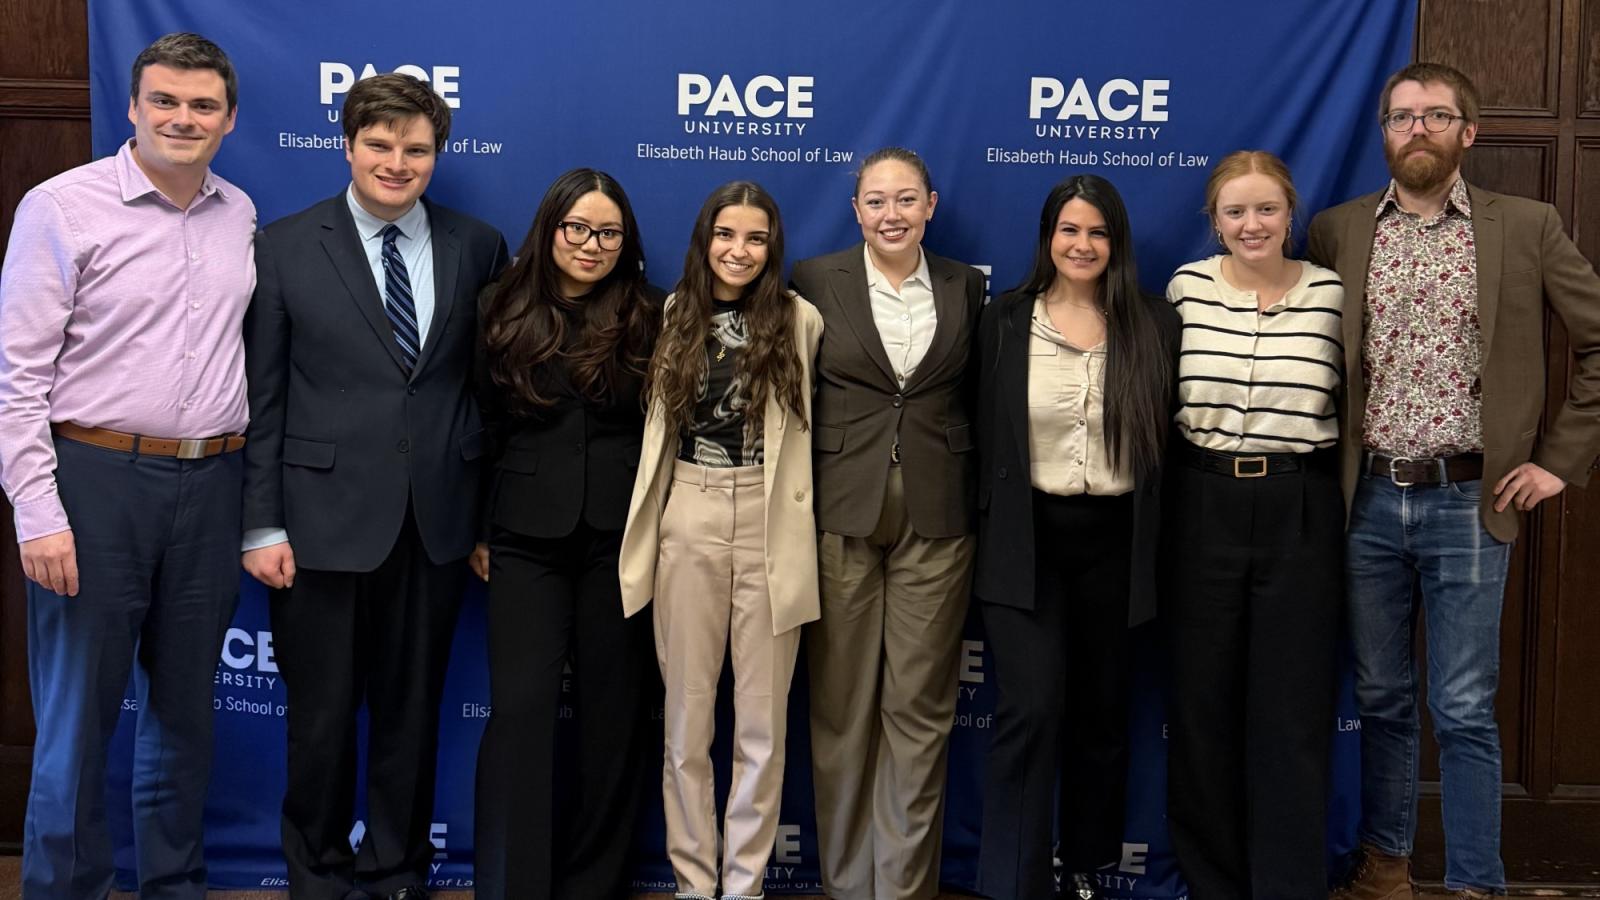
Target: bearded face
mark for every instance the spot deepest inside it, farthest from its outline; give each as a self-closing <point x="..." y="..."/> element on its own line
<point x="1425" y="162"/>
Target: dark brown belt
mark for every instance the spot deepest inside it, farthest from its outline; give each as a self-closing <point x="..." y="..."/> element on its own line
<point x="1405" y="471"/>
<point x="182" y="448"/>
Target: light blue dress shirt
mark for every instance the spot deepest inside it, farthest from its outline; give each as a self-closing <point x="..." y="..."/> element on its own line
<point x="416" y="248"/>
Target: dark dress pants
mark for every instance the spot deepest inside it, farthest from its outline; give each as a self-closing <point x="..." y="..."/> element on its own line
<point x="1252" y="617"/>
<point x="157" y="541"/>
<point x="1059" y="755"/>
<point x="383" y="638"/>
<point x="554" y="601"/>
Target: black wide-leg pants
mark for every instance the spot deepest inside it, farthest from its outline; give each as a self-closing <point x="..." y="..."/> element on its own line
<point x="553" y="601"/>
<point x="1058" y="760"/>
<point x="1252" y="609"/>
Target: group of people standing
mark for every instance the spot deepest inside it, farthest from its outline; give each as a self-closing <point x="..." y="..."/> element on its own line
<point x="379" y="397"/>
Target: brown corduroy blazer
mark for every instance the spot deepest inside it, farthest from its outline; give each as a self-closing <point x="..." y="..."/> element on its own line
<point x="1526" y="264"/>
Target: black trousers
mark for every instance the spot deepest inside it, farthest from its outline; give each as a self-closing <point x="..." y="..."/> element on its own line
<point x="1252" y="617"/>
<point x="554" y="601"/>
<point x="1059" y="755"/>
<point x="383" y="638"/>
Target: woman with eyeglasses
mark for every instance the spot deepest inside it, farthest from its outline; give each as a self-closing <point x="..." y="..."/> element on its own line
<point x="568" y="330"/>
<point x="1076" y="372"/>
<point x="894" y="505"/>
<point x="721" y="535"/>
<point x="1256" y="530"/>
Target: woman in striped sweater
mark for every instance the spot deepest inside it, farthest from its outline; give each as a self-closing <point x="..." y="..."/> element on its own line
<point x="1254" y="532"/>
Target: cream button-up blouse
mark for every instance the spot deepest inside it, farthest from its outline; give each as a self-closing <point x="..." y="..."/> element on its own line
<point x="1066" y="420"/>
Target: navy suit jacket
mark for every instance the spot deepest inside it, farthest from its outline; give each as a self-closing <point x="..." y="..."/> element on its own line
<point x="343" y="440"/>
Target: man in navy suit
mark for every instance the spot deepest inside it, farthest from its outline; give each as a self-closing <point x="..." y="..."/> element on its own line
<point x="361" y="479"/>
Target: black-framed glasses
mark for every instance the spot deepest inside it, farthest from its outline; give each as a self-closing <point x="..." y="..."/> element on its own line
<point x="578" y="234"/>
<point x="1435" y="120"/>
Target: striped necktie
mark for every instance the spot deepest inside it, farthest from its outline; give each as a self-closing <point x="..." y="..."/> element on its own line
<point x="397" y="301"/>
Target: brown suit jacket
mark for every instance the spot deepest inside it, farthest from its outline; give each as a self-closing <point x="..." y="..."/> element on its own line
<point x="1526" y="263"/>
<point x="860" y="407"/>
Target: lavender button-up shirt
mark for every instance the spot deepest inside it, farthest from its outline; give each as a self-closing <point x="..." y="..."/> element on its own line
<point x="118" y="310"/>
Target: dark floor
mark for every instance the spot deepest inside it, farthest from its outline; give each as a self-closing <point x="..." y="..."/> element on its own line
<point x="10" y="868"/>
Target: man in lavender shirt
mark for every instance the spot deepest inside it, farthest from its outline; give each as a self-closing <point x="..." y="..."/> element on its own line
<point x="122" y="402"/>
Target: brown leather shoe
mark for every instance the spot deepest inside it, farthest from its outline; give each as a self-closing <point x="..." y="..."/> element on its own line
<point x="1473" y="894"/>
<point x="1378" y="876"/>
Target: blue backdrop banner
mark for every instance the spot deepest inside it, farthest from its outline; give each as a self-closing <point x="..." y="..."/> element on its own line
<point x="1002" y="99"/>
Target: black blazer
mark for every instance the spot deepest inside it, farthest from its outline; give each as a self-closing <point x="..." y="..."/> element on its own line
<point x="341" y="439"/>
<point x="1005" y="567"/>
<point x="860" y="407"/>
<point x="573" y="459"/>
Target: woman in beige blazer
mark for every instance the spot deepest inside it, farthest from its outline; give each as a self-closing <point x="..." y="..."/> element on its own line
<point x="721" y="533"/>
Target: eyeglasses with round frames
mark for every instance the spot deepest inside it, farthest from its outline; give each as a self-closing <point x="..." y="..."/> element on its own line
<point x="1435" y="120"/>
<point x="577" y="234"/>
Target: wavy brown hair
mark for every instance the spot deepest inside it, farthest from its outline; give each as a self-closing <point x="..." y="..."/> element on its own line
<point x="769" y="363"/>
<point x="528" y="324"/>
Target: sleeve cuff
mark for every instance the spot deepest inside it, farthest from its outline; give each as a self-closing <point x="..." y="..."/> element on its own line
<point x="256" y="538"/>
<point x="41" y="518"/>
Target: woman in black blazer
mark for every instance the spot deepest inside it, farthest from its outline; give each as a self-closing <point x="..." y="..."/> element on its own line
<point x="1076" y="374"/>
<point x="567" y="333"/>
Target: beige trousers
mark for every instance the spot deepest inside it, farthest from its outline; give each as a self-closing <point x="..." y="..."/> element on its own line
<point x="711" y="597"/>
<point x="883" y="662"/>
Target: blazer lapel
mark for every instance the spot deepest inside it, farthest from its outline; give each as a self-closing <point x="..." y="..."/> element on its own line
<point x="1359" y="231"/>
<point x="446" y="263"/>
<point x="343" y="247"/>
<point x="849" y="283"/>
<point x="947" y="299"/>
<point x="1488" y="237"/>
<point x="1015" y="335"/>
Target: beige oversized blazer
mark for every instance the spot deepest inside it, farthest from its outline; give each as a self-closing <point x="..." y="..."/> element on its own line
<point x="791" y="526"/>
<point x="1526" y="265"/>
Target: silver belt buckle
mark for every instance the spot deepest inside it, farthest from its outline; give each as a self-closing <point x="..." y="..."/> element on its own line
<point x="192" y="448"/>
<point x="894" y="453"/>
<point x="1394" y="464"/>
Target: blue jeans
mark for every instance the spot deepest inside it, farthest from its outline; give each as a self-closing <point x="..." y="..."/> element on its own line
<point x="1432" y="538"/>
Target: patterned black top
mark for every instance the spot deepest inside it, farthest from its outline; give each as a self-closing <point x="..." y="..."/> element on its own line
<point x="717" y="438"/>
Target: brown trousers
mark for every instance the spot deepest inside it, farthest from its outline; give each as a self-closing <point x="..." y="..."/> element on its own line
<point x="883" y="662"/>
<point x="710" y="598"/>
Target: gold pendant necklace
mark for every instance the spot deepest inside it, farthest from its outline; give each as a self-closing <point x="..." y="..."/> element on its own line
<point x="722" y="350"/>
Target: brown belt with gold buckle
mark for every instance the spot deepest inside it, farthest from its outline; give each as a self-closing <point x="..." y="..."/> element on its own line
<point x="1406" y="471"/>
<point x="182" y="448"/>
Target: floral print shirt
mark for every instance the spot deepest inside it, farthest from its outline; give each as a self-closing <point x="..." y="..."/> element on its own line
<point x="1422" y="355"/>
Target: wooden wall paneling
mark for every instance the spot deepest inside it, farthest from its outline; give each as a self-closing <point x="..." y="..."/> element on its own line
<point x="1521" y="164"/>
<point x="1575" y="754"/>
<point x="1473" y="37"/>
<point x="32" y="150"/>
<point x="44" y="129"/>
<point x="1588" y="60"/>
<point x="1537" y="64"/>
<point x="45" y="40"/>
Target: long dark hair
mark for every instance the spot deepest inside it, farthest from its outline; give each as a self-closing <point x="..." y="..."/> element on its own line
<point x="527" y="320"/>
<point x="1138" y="375"/>
<point x="769" y="363"/>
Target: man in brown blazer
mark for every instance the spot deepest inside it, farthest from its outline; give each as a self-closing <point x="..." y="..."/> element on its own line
<point x="895" y="508"/>
<point x="1446" y="288"/>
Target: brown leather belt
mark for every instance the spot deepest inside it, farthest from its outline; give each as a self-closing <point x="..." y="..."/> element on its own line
<point x="1427" y="471"/>
<point x="182" y="448"/>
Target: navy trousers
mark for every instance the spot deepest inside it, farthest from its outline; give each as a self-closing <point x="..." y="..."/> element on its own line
<point x="157" y="541"/>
